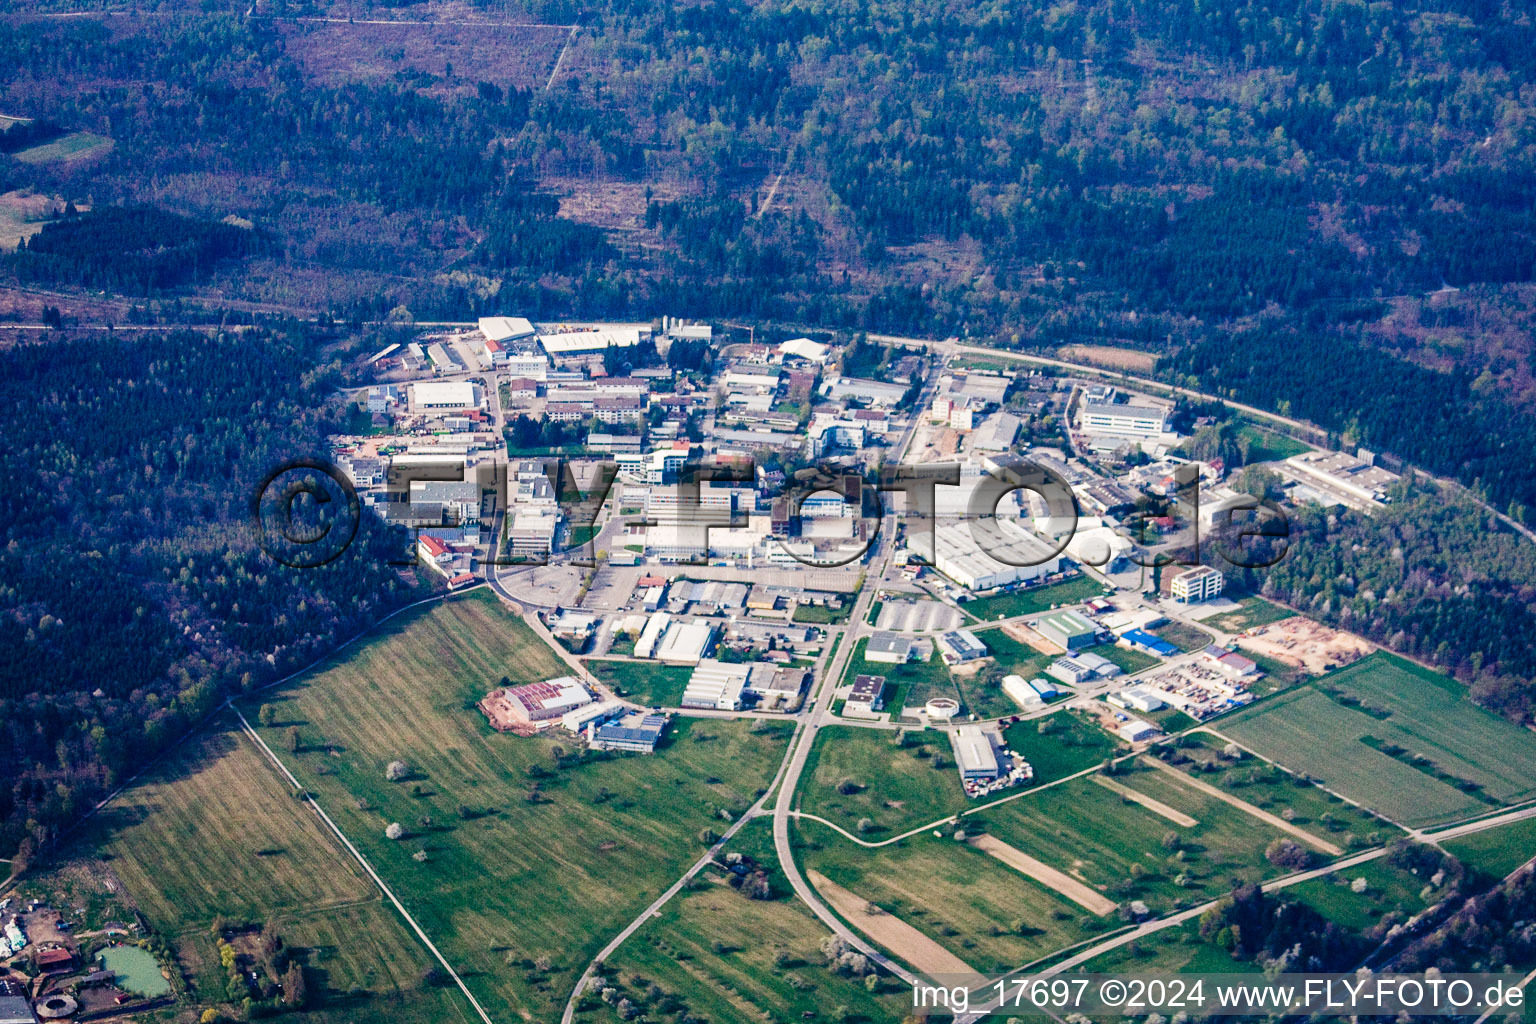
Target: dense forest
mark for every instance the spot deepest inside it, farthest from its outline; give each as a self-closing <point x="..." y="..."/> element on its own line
<point x="135" y="597"/>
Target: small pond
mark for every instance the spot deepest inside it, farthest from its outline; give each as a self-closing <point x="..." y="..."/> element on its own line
<point x="137" y="970"/>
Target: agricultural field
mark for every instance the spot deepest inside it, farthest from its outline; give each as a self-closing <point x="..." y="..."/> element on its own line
<point x="1496" y="851"/>
<point x="725" y="957"/>
<point x="67" y="149"/>
<point x="979" y="909"/>
<point x="518" y="855"/>
<point x="642" y="681"/>
<point x="1116" y="358"/>
<point x="1034" y="599"/>
<point x="214" y="831"/>
<point x="1400" y="739"/>
<point x="1271" y="789"/>
<point x="1251" y="611"/>
<point x="1126" y="850"/>
<point x="891" y="785"/>
<point x="1171" y="951"/>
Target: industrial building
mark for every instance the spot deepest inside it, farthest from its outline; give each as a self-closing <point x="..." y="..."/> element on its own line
<point x="888" y="648"/>
<point x="1130" y="421"/>
<point x="1012" y="554"/>
<point x="637" y="732"/>
<point x="716" y="686"/>
<point x="685" y="643"/>
<point x="1136" y="698"/>
<point x="867" y="694"/>
<point x="502" y="329"/>
<point x="959" y="646"/>
<point x="1069" y="670"/>
<point x="974" y="754"/>
<point x="445" y="396"/>
<point x="1067" y="629"/>
<point x="1201" y="583"/>
<point x="534" y="706"/>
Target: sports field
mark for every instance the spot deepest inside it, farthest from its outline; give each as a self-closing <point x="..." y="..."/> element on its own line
<point x="532" y="854"/>
<point x="215" y="831"/>
<point x="1447" y="749"/>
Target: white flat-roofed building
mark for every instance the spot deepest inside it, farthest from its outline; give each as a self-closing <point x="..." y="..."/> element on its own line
<point x="1357" y="479"/>
<point x="571" y="342"/>
<point x="505" y="328"/>
<point x="575" y="721"/>
<point x="805" y="348"/>
<point x="532" y="532"/>
<point x="716" y="686"/>
<point x="685" y="643"/>
<point x="1136" y="698"/>
<point x="650" y="636"/>
<point x="446" y="396"/>
<point x="734" y="379"/>
<point x="888" y="648"/>
<point x="1131" y="421"/>
<point x="530" y="365"/>
<point x="1201" y="583"/>
<point x="1011" y="554"/>
<point x="975" y="754"/>
<point x="1022" y="694"/>
<point x="997" y="432"/>
<point x="1101" y="666"/>
<point x="457" y="497"/>
<point x="872" y="391"/>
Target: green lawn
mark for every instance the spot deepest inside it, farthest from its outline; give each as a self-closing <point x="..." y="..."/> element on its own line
<point x="1496" y="851"/>
<point x="1387" y="890"/>
<point x="1251" y="611"/>
<point x="1117" y="846"/>
<point x="1185" y="638"/>
<point x="908" y="685"/>
<point x="533" y="850"/>
<point x="1035" y="599"/>
<point x="644" y="682"/>
<point x="1059" y="745"/>
<point x="1177" y="950"/>
<point x="1267" y="444"/>
<point x="1130" y="661"/>
<point x="1383" y="701"/>
<point x="69" y="148"/>
<point x="890" y="785"/>
<point x="984" y="912"/>
<point x="815" y="614"/>
<point x="725" y="957"/>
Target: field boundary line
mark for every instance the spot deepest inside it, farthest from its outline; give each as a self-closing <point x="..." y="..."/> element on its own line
<point x="1274" y="820"/>
<point x="363" y="861"/>
<point x="1151" y="803"/>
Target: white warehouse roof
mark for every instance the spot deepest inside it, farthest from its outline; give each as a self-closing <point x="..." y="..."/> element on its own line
<point x="590" y="341"/>
<point x="505" y="328"/>
<point x="450" y="394"/>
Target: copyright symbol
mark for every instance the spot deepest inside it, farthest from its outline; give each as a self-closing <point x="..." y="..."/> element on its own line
<point x="306" y="513"/>
<point x="1112" y="992"/>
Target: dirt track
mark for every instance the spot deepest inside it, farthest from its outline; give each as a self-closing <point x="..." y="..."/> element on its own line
<point x="1078" y="892"/>
<point x="1155" y="806"/>
<point x="903" y="940"/>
